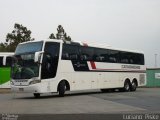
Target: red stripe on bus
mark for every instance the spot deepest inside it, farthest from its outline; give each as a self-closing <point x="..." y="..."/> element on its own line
<point x="93" y="65"/>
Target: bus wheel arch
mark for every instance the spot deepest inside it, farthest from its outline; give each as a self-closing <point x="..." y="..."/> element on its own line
<point x="67" y="85"/>
<point x="62" y="87"/>
<point x="134" y="84"/>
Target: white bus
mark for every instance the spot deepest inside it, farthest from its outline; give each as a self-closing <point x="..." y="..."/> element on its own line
<point x="5" y="69"/>
<point x="49" y="66"/>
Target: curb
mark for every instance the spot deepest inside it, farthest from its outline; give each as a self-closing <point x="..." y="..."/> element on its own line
<point x="5" y="90"/>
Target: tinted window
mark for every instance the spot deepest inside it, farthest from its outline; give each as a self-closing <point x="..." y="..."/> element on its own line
<point x="50" y="60"/>
<point x="113" y="56"/>
<point x="1" y="61"/>
<point x="70" y="52"/>
<point x="131" y="58"/>
<point x="124" y="57"/>
<point x="86" y="53"/>
<point x="52" y="48"/>
<point x="100" y="55"/>
<point x="9" y="61"/>
<point x="139" y="59"/>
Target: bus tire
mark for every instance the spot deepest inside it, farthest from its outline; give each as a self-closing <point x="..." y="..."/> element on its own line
<point x="126" y="87"/>
<point x="134" y="86"/>
<point x="36" y="95"/>
<point x="61" y="88"/>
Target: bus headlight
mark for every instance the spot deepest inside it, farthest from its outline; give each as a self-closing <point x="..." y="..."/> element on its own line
<point x="12" y="83"/>
<point x="34" y="82"/>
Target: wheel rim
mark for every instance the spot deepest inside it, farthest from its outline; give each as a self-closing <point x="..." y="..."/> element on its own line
<point x="65" y="87"/>
<point x="127" y="87"/>
<point x="134" y="85"/>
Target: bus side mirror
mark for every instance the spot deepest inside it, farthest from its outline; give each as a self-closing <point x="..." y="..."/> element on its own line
<point x="37" y="57"/>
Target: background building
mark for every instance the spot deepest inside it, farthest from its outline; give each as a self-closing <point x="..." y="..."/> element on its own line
<point x="153" y="77"/>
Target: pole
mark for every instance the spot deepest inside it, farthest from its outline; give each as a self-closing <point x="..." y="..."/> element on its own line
<point x="155" y="60"/>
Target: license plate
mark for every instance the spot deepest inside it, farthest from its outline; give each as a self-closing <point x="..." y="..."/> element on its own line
<point x="21" y="89"/>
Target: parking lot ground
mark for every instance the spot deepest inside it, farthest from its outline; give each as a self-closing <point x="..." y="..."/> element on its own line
<point x="79" y="105"/>
<point x="86" y="102"/>
<point x="144" y="100"/>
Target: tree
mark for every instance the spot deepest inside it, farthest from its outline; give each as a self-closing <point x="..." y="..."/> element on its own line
<point x="68" y="38"/>
<point x="52" y="36"/>
<point x="61" y="34"/>
<point x="3" y="47"/>
<point x="18" y="35"/>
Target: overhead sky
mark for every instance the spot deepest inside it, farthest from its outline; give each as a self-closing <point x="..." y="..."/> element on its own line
<point x="128" y="24"/>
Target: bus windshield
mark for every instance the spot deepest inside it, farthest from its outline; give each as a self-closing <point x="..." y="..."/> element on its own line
<point x="29" y="48"/>
<point x="23" y="66"/>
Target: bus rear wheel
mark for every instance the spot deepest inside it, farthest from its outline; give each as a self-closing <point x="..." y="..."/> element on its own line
<point x="126" y="87"/>
<point x="62" y="88"/>
<point x="36" y="95"/>
<point x="134" y="86"/>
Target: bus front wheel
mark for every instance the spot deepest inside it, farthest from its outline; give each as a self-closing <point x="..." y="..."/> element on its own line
<point x="62" y="88"/>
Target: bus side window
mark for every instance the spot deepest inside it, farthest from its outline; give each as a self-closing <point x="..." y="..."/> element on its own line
<point x="138" y="59"/>
<point x="131" y="61"/>
<point x="73" y="57"/>
<point x="142" y="59"/>
<point x="65" y="56"/>
<point x="86" y="53"/>
<point x="84" y="57"/>
<point x="124" y="61"/>
<point x="124" y="57"/>
<point x="100" y="55"/>
<point x="1" y="61"/>
<point x="8" y="61"/>
<point x="70" y="52"/>
<point x="112" y="59"/>
<point x="113" y="56"/>
<point x="100" y="58"/>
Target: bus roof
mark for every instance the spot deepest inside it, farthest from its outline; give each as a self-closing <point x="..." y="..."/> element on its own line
<point x="87" y="44"/>
<point x="105" y="46"/>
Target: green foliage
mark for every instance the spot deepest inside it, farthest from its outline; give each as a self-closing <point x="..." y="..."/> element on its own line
<point x="61" y="34"/>
<point x="68" y="38"/>
<point x="18" y="35"/>
<point x="52" y="36"/>
<point x="3" y="47"/>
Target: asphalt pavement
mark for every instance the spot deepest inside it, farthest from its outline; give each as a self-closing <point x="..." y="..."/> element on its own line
<point x="144" y="100"/>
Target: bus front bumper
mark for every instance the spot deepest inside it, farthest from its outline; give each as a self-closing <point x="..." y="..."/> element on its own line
<point x="27" y="89"/>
